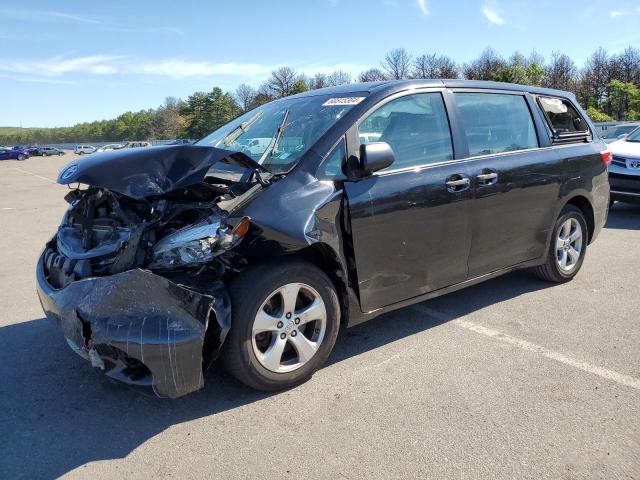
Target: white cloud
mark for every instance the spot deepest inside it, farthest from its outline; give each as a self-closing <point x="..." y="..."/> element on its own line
<point x="424" y="8"/>
<point x="106" y="24"/>
<point x="615" y="13"/>
<point x="493" y="16"/>
<point x="22" y="78"/>
<point x="60" y="66"/>
<point x="56" y="66"/>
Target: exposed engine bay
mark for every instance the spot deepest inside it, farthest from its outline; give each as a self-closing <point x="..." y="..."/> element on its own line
<point x="182" y="232"/>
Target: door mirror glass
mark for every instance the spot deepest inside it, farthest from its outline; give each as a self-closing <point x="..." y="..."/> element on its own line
<point x="375" y="156"/>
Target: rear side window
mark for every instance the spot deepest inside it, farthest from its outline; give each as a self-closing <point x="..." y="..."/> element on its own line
<point x="496" y="123"/>
<point x="563" y="119"/>
<point x="416" y="126"/>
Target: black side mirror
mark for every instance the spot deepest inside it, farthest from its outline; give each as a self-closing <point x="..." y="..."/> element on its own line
<point x="375" y="156"/>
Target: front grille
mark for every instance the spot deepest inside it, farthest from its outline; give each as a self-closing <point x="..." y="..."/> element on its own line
<point x="619" y="161"/>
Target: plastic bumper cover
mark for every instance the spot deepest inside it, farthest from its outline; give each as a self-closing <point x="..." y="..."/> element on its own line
<point x="136" y="322"/>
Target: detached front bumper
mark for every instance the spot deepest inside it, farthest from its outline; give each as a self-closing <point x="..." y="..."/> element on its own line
<point x="139" y="327"/>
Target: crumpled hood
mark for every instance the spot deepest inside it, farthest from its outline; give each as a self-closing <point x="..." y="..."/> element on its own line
<point x="143" y="172"/>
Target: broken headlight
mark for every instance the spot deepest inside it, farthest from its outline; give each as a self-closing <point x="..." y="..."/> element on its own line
<point x="197" y="244"/>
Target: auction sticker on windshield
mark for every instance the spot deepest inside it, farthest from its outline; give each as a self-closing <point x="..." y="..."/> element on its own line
<point x="343" y="101"/>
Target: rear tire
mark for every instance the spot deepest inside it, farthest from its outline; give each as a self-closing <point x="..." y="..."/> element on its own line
<point x="20" y="157"/>
<point x="567" y="248"/>
<point x="285" y="321"/>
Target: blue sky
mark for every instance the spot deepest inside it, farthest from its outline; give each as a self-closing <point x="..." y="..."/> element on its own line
<point x="69" y="61"/>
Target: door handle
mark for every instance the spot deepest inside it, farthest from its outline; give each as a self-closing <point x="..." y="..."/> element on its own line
<point x="458" y="185"/>
<point x="487" y="178"/>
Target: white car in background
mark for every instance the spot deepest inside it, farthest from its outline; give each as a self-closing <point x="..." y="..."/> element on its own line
<point x="112" y="146"/>
<point x="624" y="171"/>
<point x="118" y="146"/>
<point x="82" y="149"/>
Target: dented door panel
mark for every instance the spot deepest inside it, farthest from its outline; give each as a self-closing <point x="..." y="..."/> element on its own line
<point x="410" y="233"/>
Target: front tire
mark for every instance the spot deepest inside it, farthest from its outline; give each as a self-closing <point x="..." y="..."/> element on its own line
<point x="567" y="248"/>
<point x="20" y="157"/>
<point x="285" y="321"/>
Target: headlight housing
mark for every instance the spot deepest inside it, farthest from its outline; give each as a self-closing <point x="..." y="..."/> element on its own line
<point x="197" y="244"/>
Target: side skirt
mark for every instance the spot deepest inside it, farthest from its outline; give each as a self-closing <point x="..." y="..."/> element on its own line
<point x="356" y="316"/>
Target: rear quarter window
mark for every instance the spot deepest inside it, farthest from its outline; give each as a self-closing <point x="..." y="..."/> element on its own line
<point x="563" y="120"/>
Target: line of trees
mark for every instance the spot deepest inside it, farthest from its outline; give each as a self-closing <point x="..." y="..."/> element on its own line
<point x="608" y="86"/>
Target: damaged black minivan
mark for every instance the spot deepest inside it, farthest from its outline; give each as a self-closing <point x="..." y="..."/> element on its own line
<point x="321" y="209"/>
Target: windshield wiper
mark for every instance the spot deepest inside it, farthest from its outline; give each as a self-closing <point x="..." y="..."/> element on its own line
<point x="234" y="134"/>
<point x="273" y="144"/>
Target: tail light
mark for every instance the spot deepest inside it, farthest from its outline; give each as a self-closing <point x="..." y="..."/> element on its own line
<point x="606" y="156"/>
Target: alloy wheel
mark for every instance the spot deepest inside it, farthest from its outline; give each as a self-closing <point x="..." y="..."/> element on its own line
<point x="289" y="328"/>
<point x="569" y="244"/>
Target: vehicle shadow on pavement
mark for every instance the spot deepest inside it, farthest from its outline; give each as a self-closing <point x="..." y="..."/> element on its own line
<point x="57" y="413"/>
<point x="409" y="321"/>
<point x="624" y="216"/>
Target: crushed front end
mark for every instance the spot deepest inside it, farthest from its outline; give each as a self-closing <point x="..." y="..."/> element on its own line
<point x="137" y="283"/>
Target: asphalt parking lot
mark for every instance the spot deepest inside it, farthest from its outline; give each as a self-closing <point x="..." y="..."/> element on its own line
<point x="513" y="378"/>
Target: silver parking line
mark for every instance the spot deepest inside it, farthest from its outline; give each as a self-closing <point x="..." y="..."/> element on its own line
<point x="34" y="174"/>
<point x="619" y="378"/>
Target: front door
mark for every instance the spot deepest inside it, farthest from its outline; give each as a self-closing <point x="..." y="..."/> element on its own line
<point x="410" y="221"/>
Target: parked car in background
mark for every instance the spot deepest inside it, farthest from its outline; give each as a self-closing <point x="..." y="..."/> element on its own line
<point x="118" y="146"/>
<point x="33" y="150"/>
<point x="136" y="145"/>
<point x="255" y="145"/>
<point x="180" y="141"/>
<point x="616" y="132"/>
<point x="176" y="254"/>
<point x="624" y="171"/>
<point x="83" y="149"/>
<point x="112" y="146"/>
<point x="13" y="153"/>
<point x="47" y="151"/>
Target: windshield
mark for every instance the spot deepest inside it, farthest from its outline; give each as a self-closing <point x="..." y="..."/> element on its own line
<point x="279" y="133"/>
<point x="615" y="132"/>
<point x="634" y="136"/>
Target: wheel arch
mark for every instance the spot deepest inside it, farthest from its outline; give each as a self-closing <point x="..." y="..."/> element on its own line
<point x="584" y="204"/>
<point x="325" y="258"/>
